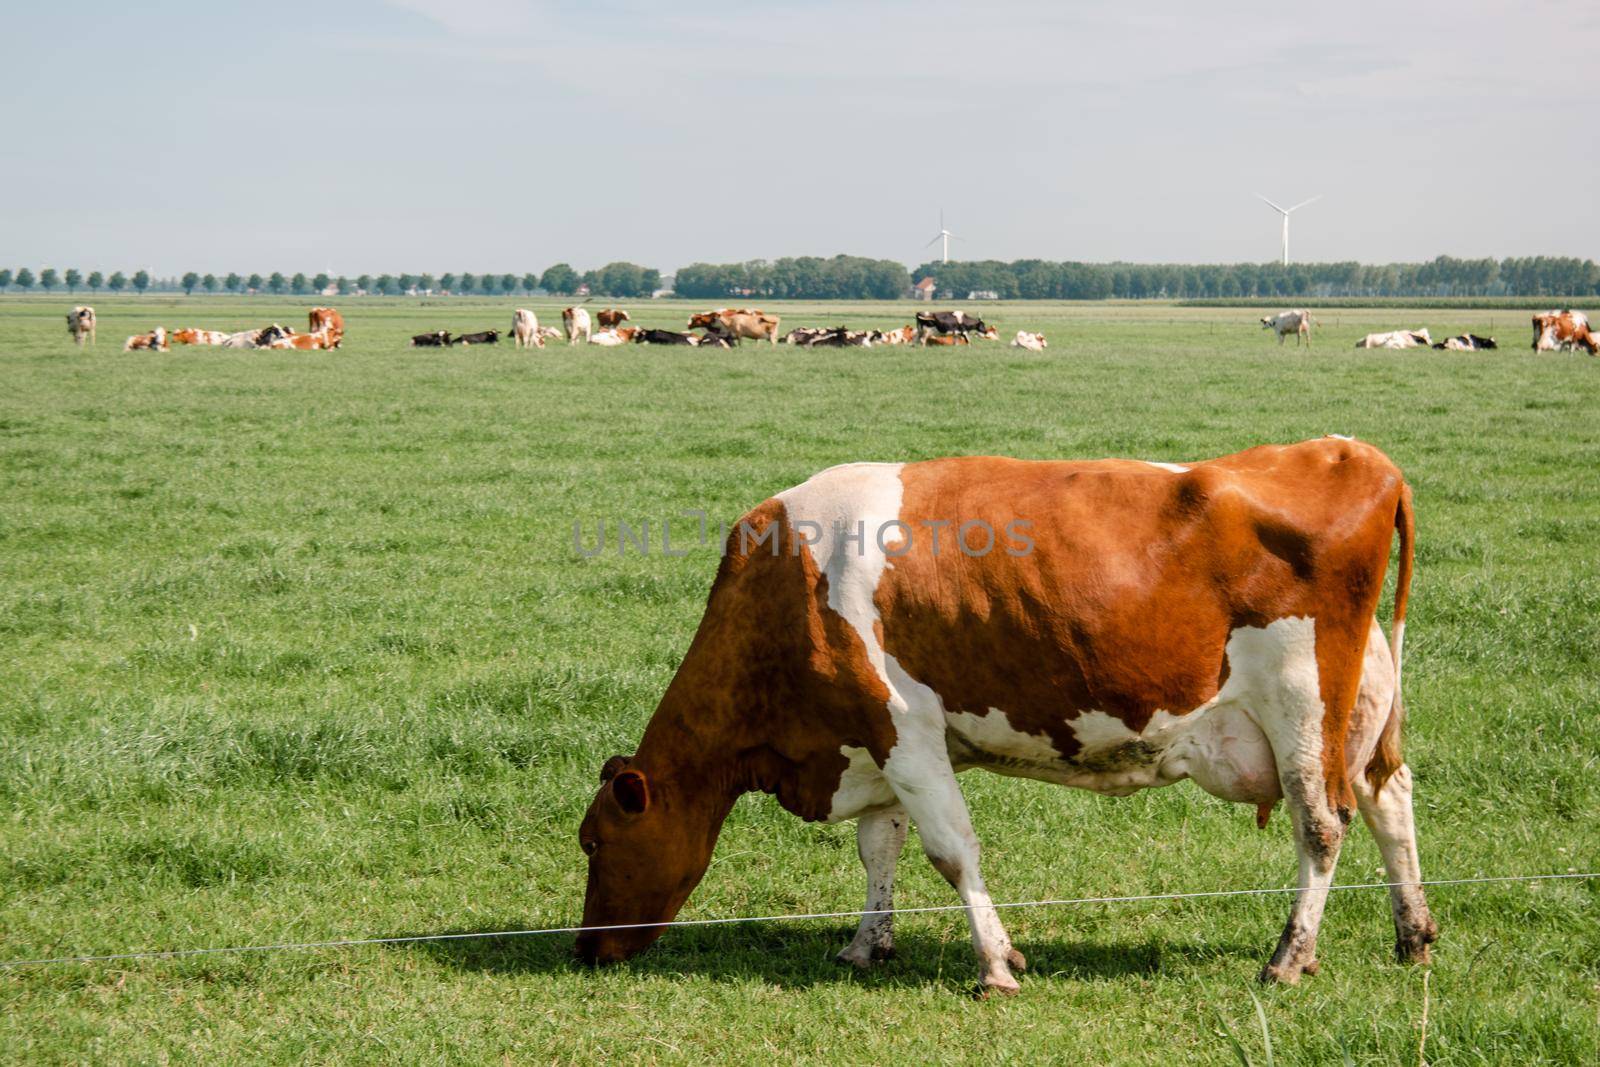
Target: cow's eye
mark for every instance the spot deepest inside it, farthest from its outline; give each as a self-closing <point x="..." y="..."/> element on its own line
<point x="589" y="847"/>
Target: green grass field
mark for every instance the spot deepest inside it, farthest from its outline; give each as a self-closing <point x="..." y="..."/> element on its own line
<point x="297" y="646"/>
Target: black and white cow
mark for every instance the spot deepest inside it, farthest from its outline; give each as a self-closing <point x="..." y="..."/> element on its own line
<point x="483" y="337"/>
<point x="436" y="339"/>
<point x="949" y="322"/>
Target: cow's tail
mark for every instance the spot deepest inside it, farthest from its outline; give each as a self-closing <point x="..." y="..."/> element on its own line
<point x="1387" y="758"/>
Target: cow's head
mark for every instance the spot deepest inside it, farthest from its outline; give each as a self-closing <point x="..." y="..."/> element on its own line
<point x="648" y="843"/>
<point x="988" y="333"/>
<point x="704" y="318"/>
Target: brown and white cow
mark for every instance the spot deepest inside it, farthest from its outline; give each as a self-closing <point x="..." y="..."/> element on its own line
<point x="576" y="321"/>
<point x="1112" y="625"/>
<point x="318" y="340"/>
<point x="326" y="319"/>
<point x="80" y="324"/>
<point x="1284" y="323"/>
<point x="945" y="339"/>
<point x="155" y="340"/>
<point x="904" y="335"/>
<point x="1563" y="330"/>
<point x="525" y="332"/>
<point x="613" y="336"/>
<point x="191" y="336"/>
<point x="611" y="318"/>
<point x="741" y="322"/>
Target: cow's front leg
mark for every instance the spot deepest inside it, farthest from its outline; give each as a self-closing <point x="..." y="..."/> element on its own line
<point x="880" y="835"/>
<point x="926" y="785"/>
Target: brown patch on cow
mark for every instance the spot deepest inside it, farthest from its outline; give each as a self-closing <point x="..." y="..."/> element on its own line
<point x="951" y="869"/>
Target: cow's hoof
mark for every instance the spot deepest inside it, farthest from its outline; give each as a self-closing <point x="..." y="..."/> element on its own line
<point x="1287" y="973"/>
<point x="863" y="960"/>
<point x="1411" y="946"/>
<point x="1005" y="987"/>
<point x="1017" y="960"/>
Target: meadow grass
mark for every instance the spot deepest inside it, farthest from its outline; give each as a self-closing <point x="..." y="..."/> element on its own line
<point x="298" y="646"/>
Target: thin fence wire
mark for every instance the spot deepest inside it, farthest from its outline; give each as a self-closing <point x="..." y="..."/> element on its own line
<point x="300" y="946"/>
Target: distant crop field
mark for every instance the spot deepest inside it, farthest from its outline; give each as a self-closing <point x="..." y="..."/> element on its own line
<point x="297" y="646"/>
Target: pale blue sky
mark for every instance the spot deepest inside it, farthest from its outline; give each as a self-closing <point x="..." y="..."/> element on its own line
<point x="503" y="135"/>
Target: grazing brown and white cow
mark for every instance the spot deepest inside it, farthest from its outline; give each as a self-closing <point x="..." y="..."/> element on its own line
<point x="610" y="318"/>
<point x="1286" y="322"/>
<point x="155" y="340"/>
<point x="1563" y="330"/>
<point x="576" y="321"/>
<point x="741" y="322"/>
<point x="1112" y="625"/>
<point x="1397" y="339"/>
<point x="327" y="319"/>
<point x="80" y="324"/>
<point x="1033" y="342"/>
<point x="525" y="331"/>
<point x="192" y="336"/>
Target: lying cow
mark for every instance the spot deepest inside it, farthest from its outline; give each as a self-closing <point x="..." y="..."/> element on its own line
<point x="326" y="319"/>
<point x="320" y="340"/>
<point x="576" y="322"/>
<point x="549" y="333"/>
<point x="436" y="339"/>
<point x="1113" y="625"/>
<point x="1563" y="331"/>
<point x="1033" y="342"/>
<point x="801" y="335"/>
<point x="155" y="340"/>
<point x="949" y="323"/>
<point x="1286" y="322"/>
<point x="1397" y="339"/>
<point x="1467" y="342"/>
<point x="483" y="337"/>
<point x="618" y="335"/>
<point x="192" y="336"/>
<point x="902" y="336"/>
<point x="80" y="324"/>
<point x="525" y="329"/>
<point x="945" y="339"/>
<point x="664" y="337"/>
<point x="261" y="338"/>
<point x="610" y="318"/>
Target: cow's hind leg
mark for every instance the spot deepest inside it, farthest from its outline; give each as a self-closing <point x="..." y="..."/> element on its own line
<point x="1287" y="694"/>
<point x="1388" y="815"/>
<point x="880" y="835"/>
<point x="921" y="776"/>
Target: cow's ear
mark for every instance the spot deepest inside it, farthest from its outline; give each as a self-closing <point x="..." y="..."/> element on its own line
<point x="632" y="791"/>
<point x="612" y="766"/>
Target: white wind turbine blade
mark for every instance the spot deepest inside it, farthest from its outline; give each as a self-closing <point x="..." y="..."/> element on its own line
<point x="1303" y="203"/>
<point x="1275" y="207"/>
<point x="935" y="240"/>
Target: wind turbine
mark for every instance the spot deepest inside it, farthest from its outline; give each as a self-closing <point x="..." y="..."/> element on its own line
<point x="943" y="235"/>
<point x="1284" y="211"/>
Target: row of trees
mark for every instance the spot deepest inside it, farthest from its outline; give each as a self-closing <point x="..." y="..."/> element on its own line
<point x="799" y="278"/>
<point x="858" y="278"/>
<point x="614" y="279"/>
<point x="1033" y="279"/>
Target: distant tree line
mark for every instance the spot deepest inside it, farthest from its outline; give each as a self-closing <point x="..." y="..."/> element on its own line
<point x="1036" y="279"/>
<point x="613" y="279"/>
<point x="798" y="278"/>
<point x="859" y="278"/>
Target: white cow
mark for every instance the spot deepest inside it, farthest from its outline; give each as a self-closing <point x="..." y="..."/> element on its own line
<point x="550" y="333"/>
<point x="525" y="332"/>
<point x="1297" y="322"/>
<point x="255" y="338"/>
<point x="1033" y="342"/>
<point x="1396" y="339"/>
<point x="576" y="320"/>
<point x="80" y="324"/>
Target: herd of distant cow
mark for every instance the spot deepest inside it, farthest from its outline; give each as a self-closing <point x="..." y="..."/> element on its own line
<point x="1562" y="330"/>
<point x="1555" y="330"/>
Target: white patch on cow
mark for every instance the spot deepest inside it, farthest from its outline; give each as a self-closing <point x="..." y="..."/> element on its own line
<point x="862" y="786"/>
<point x="1341" y="436"/>
<point x="843" y="500"/>
<point x="1175" y="468"/>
